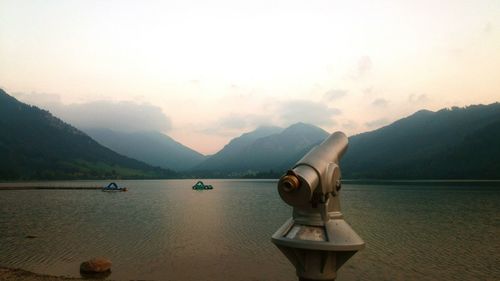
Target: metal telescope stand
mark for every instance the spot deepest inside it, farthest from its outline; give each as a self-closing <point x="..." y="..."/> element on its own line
<point x="317" y="239"/>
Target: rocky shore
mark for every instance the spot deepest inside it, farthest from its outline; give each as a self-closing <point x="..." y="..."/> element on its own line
<point x="16" y="274"/>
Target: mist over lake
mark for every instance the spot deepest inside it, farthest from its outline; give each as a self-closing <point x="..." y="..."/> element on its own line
<point x="164" y="230"/>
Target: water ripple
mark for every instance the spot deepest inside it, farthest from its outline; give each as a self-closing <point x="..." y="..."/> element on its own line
<point x="163" y="230"/>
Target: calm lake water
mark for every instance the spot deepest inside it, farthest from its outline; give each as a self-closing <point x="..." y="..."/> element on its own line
<point x="163" y="230"/>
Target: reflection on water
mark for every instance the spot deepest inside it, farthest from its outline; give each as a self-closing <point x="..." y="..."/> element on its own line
<point x="163" y="230"/>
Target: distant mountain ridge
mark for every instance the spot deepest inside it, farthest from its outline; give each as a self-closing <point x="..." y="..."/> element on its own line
<point x="153" y="148"/>
<point x="457" y="143"/>
<point x="265" y="149"/>
<point x="36" y="145"/>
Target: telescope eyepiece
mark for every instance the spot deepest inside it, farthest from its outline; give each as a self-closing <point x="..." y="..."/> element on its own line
<point x="289" y="182"/>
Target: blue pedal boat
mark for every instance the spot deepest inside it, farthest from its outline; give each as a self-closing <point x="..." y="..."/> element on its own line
<point x="113" y="187"/>
<point x="201" y="186"/>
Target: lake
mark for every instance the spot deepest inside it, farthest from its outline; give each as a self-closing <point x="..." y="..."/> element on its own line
<point x="163" y="230"/>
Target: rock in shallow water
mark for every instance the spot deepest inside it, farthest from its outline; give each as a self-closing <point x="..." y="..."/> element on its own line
<point x="96" y="265"/>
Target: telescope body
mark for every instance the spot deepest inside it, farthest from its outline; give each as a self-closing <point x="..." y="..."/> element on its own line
<point x="318" y="169"/>
<point x="317" y="239"/>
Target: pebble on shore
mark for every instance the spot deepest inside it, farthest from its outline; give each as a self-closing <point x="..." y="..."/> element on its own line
<point x="96" y="265"/>
<point x="16" y="274"/>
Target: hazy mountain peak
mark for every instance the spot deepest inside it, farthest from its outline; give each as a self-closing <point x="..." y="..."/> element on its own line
<point x="262" y="131"/>
<point x="265" y="148"/>
<point x="36" y="145"/>
<point x="306" y="130"/>
<point x="423" y="112"/>
<point x="268" y="129"/>
<point x="8" y="98"/>
<point x="152" y="147"/>
<point x="249" y="137"/>
<point x="451" y="143"/>
<point x="302" y="126"/>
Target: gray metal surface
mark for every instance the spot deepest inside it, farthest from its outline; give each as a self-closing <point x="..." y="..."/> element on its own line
<point x="317" y="239"/>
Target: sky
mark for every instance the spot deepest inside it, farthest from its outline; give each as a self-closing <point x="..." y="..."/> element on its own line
<point x="204" y="72"/>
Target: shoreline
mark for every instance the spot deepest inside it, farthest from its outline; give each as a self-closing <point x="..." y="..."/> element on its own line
<point x="14" y="274"/>
<point x="6" y="186"/>
<point x="50" y="187"/>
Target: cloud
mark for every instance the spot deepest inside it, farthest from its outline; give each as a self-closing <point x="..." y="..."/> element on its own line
<point x="364" y="66"/>
<point x="278" y="113"/>
<point x="380" y="102"/>
<point x="315" y="113"/>
<point x="349" y="125"/>
<point x="415" y="98"/>
<point x="377" y="123"/>
<point x="488" y="27"/>
<point x="43" y="100"/>
<point x="234" y="123"/>
<point x="368" y="91"/>
<point x="121" y="116"/>
<point x="456" y="52"/>
<point x="334" y="94"/>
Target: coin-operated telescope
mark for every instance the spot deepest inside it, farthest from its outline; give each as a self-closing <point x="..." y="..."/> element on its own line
<point x="317" y="239"/>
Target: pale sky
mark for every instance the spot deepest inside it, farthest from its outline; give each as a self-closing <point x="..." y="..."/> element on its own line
<point x="204" y="72"/>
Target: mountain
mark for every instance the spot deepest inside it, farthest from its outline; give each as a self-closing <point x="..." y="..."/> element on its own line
<point x="457" y="143"/>
<point x="153" y="148"/>
<point x="36" y="145"/>
<point x="262" y="150"/>
<point x="236" y="147"/>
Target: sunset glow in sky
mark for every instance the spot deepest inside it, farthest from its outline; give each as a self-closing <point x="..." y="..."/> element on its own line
<point x="204" y="72"/>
